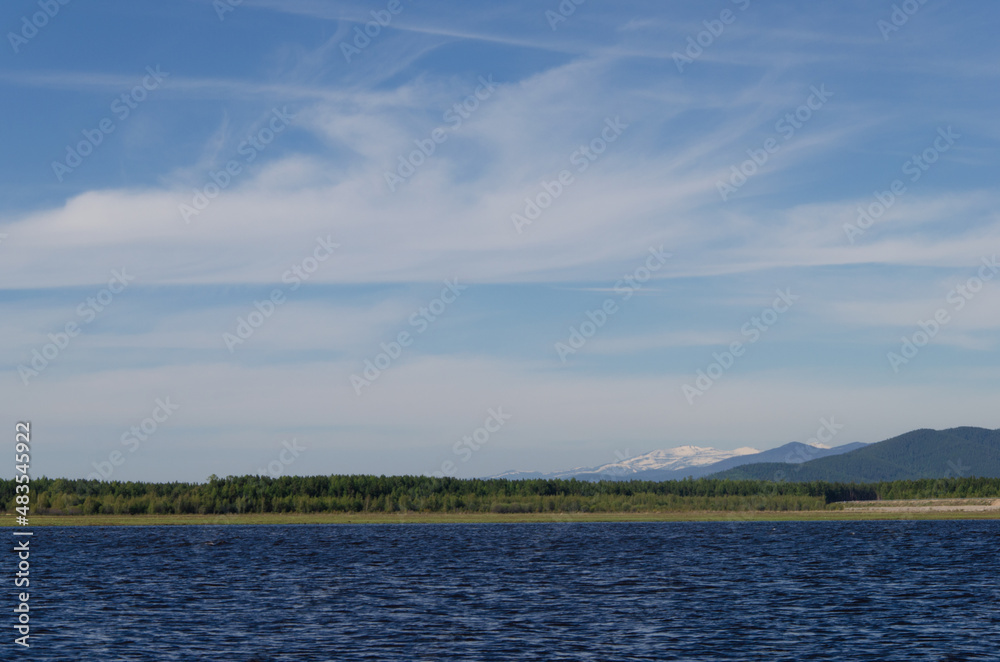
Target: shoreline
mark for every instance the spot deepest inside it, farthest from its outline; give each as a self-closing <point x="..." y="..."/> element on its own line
<point x="847" y="514"/>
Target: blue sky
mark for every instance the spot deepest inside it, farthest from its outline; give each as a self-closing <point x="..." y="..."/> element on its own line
<point x="216" y="155"/>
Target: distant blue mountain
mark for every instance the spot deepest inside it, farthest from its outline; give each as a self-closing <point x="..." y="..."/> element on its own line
<point x="792" y="453"/>
<point x="964" y="451"/>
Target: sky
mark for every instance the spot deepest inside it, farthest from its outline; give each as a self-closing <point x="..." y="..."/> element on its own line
<point x="459" y="238"/>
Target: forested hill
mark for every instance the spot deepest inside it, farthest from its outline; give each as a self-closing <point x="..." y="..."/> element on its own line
<point x="958" y="452"/>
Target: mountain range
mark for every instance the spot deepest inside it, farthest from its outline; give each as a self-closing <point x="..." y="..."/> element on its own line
<point x="687" y="462"/>
<point x="952" y="453"/>
<point x="924" y="453"/>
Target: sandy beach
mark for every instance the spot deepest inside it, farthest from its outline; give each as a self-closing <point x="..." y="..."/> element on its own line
<point x="924" y="505"/>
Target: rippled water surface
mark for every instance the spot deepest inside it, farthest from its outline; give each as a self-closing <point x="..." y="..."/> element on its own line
<point x="664" y="591"/>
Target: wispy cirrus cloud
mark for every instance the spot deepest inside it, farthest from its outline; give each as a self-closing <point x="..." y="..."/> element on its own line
<point x="656" y="185"/>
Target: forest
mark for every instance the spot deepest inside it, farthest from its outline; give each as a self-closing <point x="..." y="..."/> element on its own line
<point x="361" y="494"/>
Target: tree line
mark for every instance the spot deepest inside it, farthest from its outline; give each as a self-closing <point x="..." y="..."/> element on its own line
<point x="367" y="494"/>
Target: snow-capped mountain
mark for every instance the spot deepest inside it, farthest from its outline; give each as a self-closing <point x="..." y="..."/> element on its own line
<point x="689" y="461"/>
<point x="672" y="458"/>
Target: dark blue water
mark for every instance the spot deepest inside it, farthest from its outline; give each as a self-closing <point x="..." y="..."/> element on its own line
<point x="665" y="591"/>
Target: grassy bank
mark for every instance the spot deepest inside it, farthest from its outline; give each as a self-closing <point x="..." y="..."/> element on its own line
<point x="493" y="518"/>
